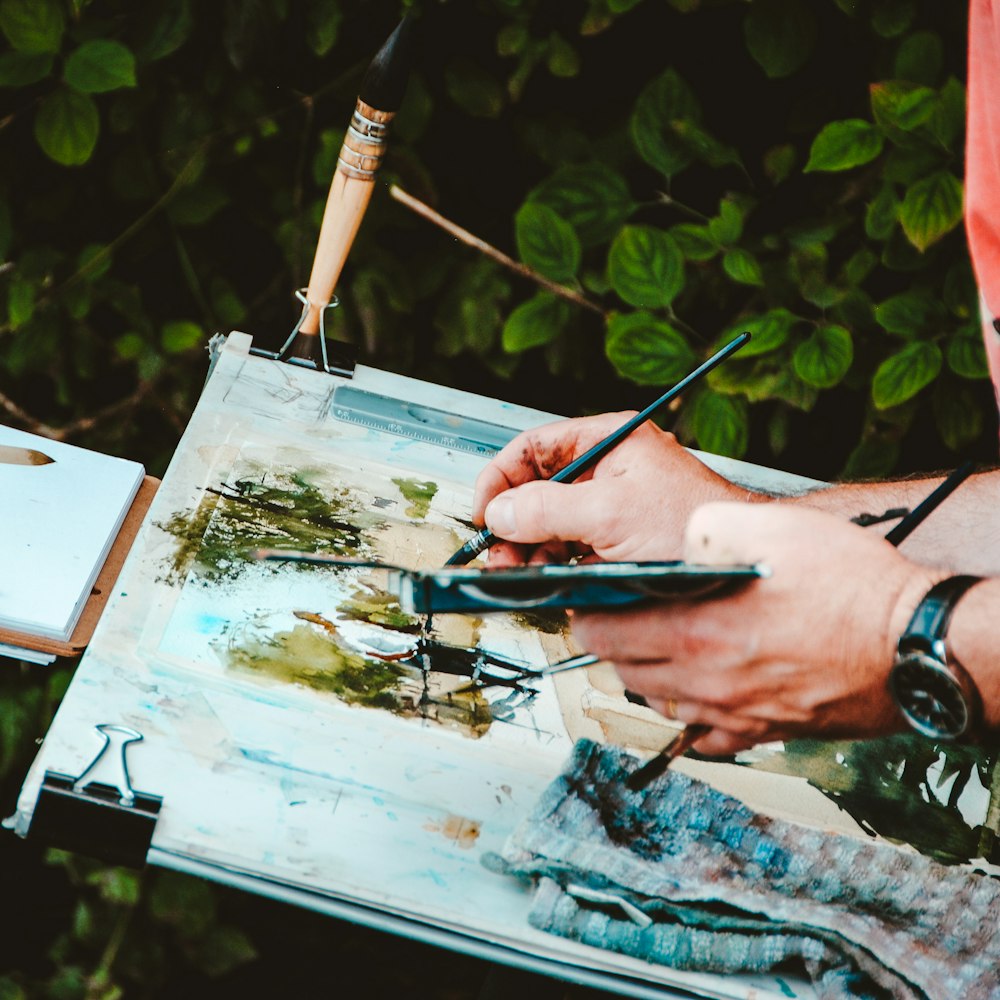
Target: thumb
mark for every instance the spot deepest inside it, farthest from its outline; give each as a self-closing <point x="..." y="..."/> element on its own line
<point x="544" y="511"/>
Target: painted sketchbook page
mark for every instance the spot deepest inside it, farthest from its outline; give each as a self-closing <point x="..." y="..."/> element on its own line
<point x="305" y="733"/>
<point x="60" y="510"/>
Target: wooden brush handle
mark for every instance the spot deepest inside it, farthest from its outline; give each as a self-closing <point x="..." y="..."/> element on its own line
<point x="350" y="192"/>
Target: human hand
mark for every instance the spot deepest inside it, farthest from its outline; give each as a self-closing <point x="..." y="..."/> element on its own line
<point x="804" y="652"/>
<point x="631" y="506"/>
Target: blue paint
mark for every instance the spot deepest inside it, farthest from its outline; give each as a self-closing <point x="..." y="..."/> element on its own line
<point x="785" y="988"/>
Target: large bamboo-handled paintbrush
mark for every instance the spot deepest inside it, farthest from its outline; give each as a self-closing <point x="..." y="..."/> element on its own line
<point x="379" y="98"/>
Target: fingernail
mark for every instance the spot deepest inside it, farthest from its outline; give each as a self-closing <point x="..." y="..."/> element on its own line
<point x="500" y="517"/>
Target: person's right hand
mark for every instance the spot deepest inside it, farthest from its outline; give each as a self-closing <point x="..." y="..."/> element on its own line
<point x="633" y="505"/>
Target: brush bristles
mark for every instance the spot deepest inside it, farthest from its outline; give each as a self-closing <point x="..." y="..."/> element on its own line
<point x="384" y="83"/>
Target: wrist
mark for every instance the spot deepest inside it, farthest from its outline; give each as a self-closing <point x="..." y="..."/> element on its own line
<point x="931" y="686"/>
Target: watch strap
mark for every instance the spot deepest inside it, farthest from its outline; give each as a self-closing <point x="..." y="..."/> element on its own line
<point x="930" y="620"/>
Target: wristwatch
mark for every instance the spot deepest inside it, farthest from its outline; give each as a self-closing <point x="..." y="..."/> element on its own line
<point x="930" y="687"/>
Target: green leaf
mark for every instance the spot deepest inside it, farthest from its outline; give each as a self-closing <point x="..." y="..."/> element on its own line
<point x="119" y="886"/>
<point x="720" y="424"/>
<point x="66" y="127"/>
<point x="908" y="313"/>
<point x="182" y="902"/>
<point x="780" y="35"/>
<point x="859" y="265"/>
<point x="823" y="360"/>
<point x="99" y="66"/>
<point x="645" y="267"/>
<point x="902" y="105"/>
<point x="703" y="146"/>
<point x="20" y="302"/>
<point x="743" y="267"/>
<point x="647" y="350"/>
<point x="891" y="18"/>
<point x="919" y="58"/>
<point x="547" y="242"/>
<point x="21" y="69"/>
<point x="33" y="26"/>
<point x="180" y="336"/>
<point x="882" y="213"/>
<point x="958" y="414"/>
<point x="166" y="30"/>
<point x="903" y="374"/>
<point x="727" y="227"/>
<point x="767" y="332"/>
<point x="322" y="25"/>
<point x="224" y="949"/>
<point x="947" y="122"/>
<point x="535" y="322"/>
<point x="130" y="346"/>
<point x="473" y="89"/>
<point x="873" y="458"/>
<point x="512" y="38"/>
<point x="844" y="144"/>
<point x="931" y="208"/>
<point x="664" y="101"/>
<point x="593" y="198"/>
<point x="966" y="354"/>
<point x="779" y="161"/>
<point x="694" y="242"/>
<point x="563" y="60"/>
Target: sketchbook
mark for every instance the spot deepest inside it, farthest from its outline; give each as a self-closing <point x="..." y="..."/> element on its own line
<point x="61" y="508"/>
<point x="300" y="734"/>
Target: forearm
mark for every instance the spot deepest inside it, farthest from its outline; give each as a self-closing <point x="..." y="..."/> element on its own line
<point x="972" y="640"/>
<point x="962" y="534"/>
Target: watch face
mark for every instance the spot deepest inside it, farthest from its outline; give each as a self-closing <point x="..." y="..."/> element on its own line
<point x="930" y="697"/>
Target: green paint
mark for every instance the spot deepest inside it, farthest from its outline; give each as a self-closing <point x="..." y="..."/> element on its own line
<point x="188" y="530"/>
<point x="418" y="494"/>
<point x="314" y="657"/>
<point x="306" y="656"/>
<point x="267" y="511"/>
<point x="886" y="785"/>
<point x="378" y="608"/>
<point x="551" y="622"/>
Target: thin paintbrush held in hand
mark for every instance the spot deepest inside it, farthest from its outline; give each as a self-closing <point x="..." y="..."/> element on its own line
<point x="481" y="541"/>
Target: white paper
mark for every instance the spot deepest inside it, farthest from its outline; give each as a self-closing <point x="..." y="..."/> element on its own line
<point x="58" y="521"/>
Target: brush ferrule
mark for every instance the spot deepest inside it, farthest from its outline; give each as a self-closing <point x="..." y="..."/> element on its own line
<point x="365" y="142"/>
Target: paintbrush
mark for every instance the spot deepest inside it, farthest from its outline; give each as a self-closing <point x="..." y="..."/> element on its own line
<point x="689" y="735"/>
<point x="379" y="98"/>
<point x="485" y="538"/>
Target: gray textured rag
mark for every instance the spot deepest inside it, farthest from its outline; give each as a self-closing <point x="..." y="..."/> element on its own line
<point x="683" y="875"/>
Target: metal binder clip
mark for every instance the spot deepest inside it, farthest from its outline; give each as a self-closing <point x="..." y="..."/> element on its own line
<point x="98" y="813"/>
<point x="343" y="361"/>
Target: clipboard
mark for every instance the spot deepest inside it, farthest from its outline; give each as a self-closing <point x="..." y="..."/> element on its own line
<point x="174" y="746"/>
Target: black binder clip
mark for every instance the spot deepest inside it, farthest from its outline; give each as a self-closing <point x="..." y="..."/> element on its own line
<point x="336" y="356"/>
<point x="99" y="813"/>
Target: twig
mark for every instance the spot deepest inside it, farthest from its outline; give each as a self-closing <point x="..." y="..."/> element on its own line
<point x="81" y="425"/>
<point x="483" y="247"/>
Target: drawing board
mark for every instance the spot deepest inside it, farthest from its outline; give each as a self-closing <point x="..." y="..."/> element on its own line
<point x="313" y="742"/>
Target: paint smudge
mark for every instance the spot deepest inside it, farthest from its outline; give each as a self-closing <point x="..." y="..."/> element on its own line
<point x="464" y="832"/>
<point x="418" y="494"/>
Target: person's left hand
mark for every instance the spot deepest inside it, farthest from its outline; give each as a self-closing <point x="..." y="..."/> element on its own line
<point x="806" y="651"/>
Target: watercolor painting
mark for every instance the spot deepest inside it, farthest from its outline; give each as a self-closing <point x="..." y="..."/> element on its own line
<point x="338" y="632"/>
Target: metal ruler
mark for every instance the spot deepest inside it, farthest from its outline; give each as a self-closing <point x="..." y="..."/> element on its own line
<point x="418" y="422"/>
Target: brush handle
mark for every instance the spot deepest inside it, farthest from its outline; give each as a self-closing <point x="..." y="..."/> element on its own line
<point x="350" y="191"/>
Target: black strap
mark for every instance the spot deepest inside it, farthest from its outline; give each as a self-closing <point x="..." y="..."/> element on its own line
<point x="931" y="618"/>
